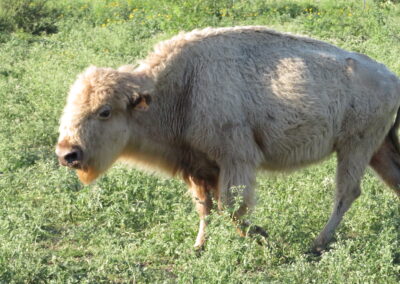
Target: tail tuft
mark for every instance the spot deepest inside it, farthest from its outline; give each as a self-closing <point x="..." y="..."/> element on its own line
<point x="393" y="132"/>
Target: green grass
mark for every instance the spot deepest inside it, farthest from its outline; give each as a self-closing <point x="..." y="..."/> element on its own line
<point x="135" y="227"/>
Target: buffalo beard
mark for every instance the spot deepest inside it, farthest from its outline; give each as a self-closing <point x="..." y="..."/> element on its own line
<point x="86" y="176"/>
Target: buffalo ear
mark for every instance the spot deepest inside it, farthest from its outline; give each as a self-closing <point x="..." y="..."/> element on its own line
<point x="140" y="102"/>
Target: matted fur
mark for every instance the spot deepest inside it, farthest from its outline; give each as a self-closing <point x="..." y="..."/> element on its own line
<point x="227" y="101"/>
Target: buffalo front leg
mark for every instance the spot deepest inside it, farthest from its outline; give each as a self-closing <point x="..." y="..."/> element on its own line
<point x="202" y="198"/>
<point x="236" y="194"/>
<point x="350" y="170"/>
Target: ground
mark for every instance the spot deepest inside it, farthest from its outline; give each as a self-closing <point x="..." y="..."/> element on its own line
<point x="132" y="226"/>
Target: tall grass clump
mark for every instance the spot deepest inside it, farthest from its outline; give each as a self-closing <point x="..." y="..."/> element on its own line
<point x="30" y="16"/>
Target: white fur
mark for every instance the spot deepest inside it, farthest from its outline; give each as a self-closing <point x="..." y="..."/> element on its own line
<point x="245" y="98"/>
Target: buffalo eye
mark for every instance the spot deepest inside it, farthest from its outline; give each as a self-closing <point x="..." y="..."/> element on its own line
<point x="104" y="112"/>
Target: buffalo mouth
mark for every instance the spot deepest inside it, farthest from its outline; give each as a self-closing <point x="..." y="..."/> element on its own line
<point x="76" y="165"/>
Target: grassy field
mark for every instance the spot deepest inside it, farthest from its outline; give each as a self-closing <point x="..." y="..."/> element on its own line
<point x="135" y="227"/>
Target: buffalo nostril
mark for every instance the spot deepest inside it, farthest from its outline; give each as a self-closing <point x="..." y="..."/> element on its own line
<point x="71" y="157"/>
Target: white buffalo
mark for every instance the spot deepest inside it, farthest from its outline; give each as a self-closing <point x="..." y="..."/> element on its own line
<point x="214" y="105"/>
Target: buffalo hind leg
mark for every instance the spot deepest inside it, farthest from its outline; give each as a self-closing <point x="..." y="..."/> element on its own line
<point x="202" y="198"/>
<point x="386" y="163"/>
<point x="350" y="170"/>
